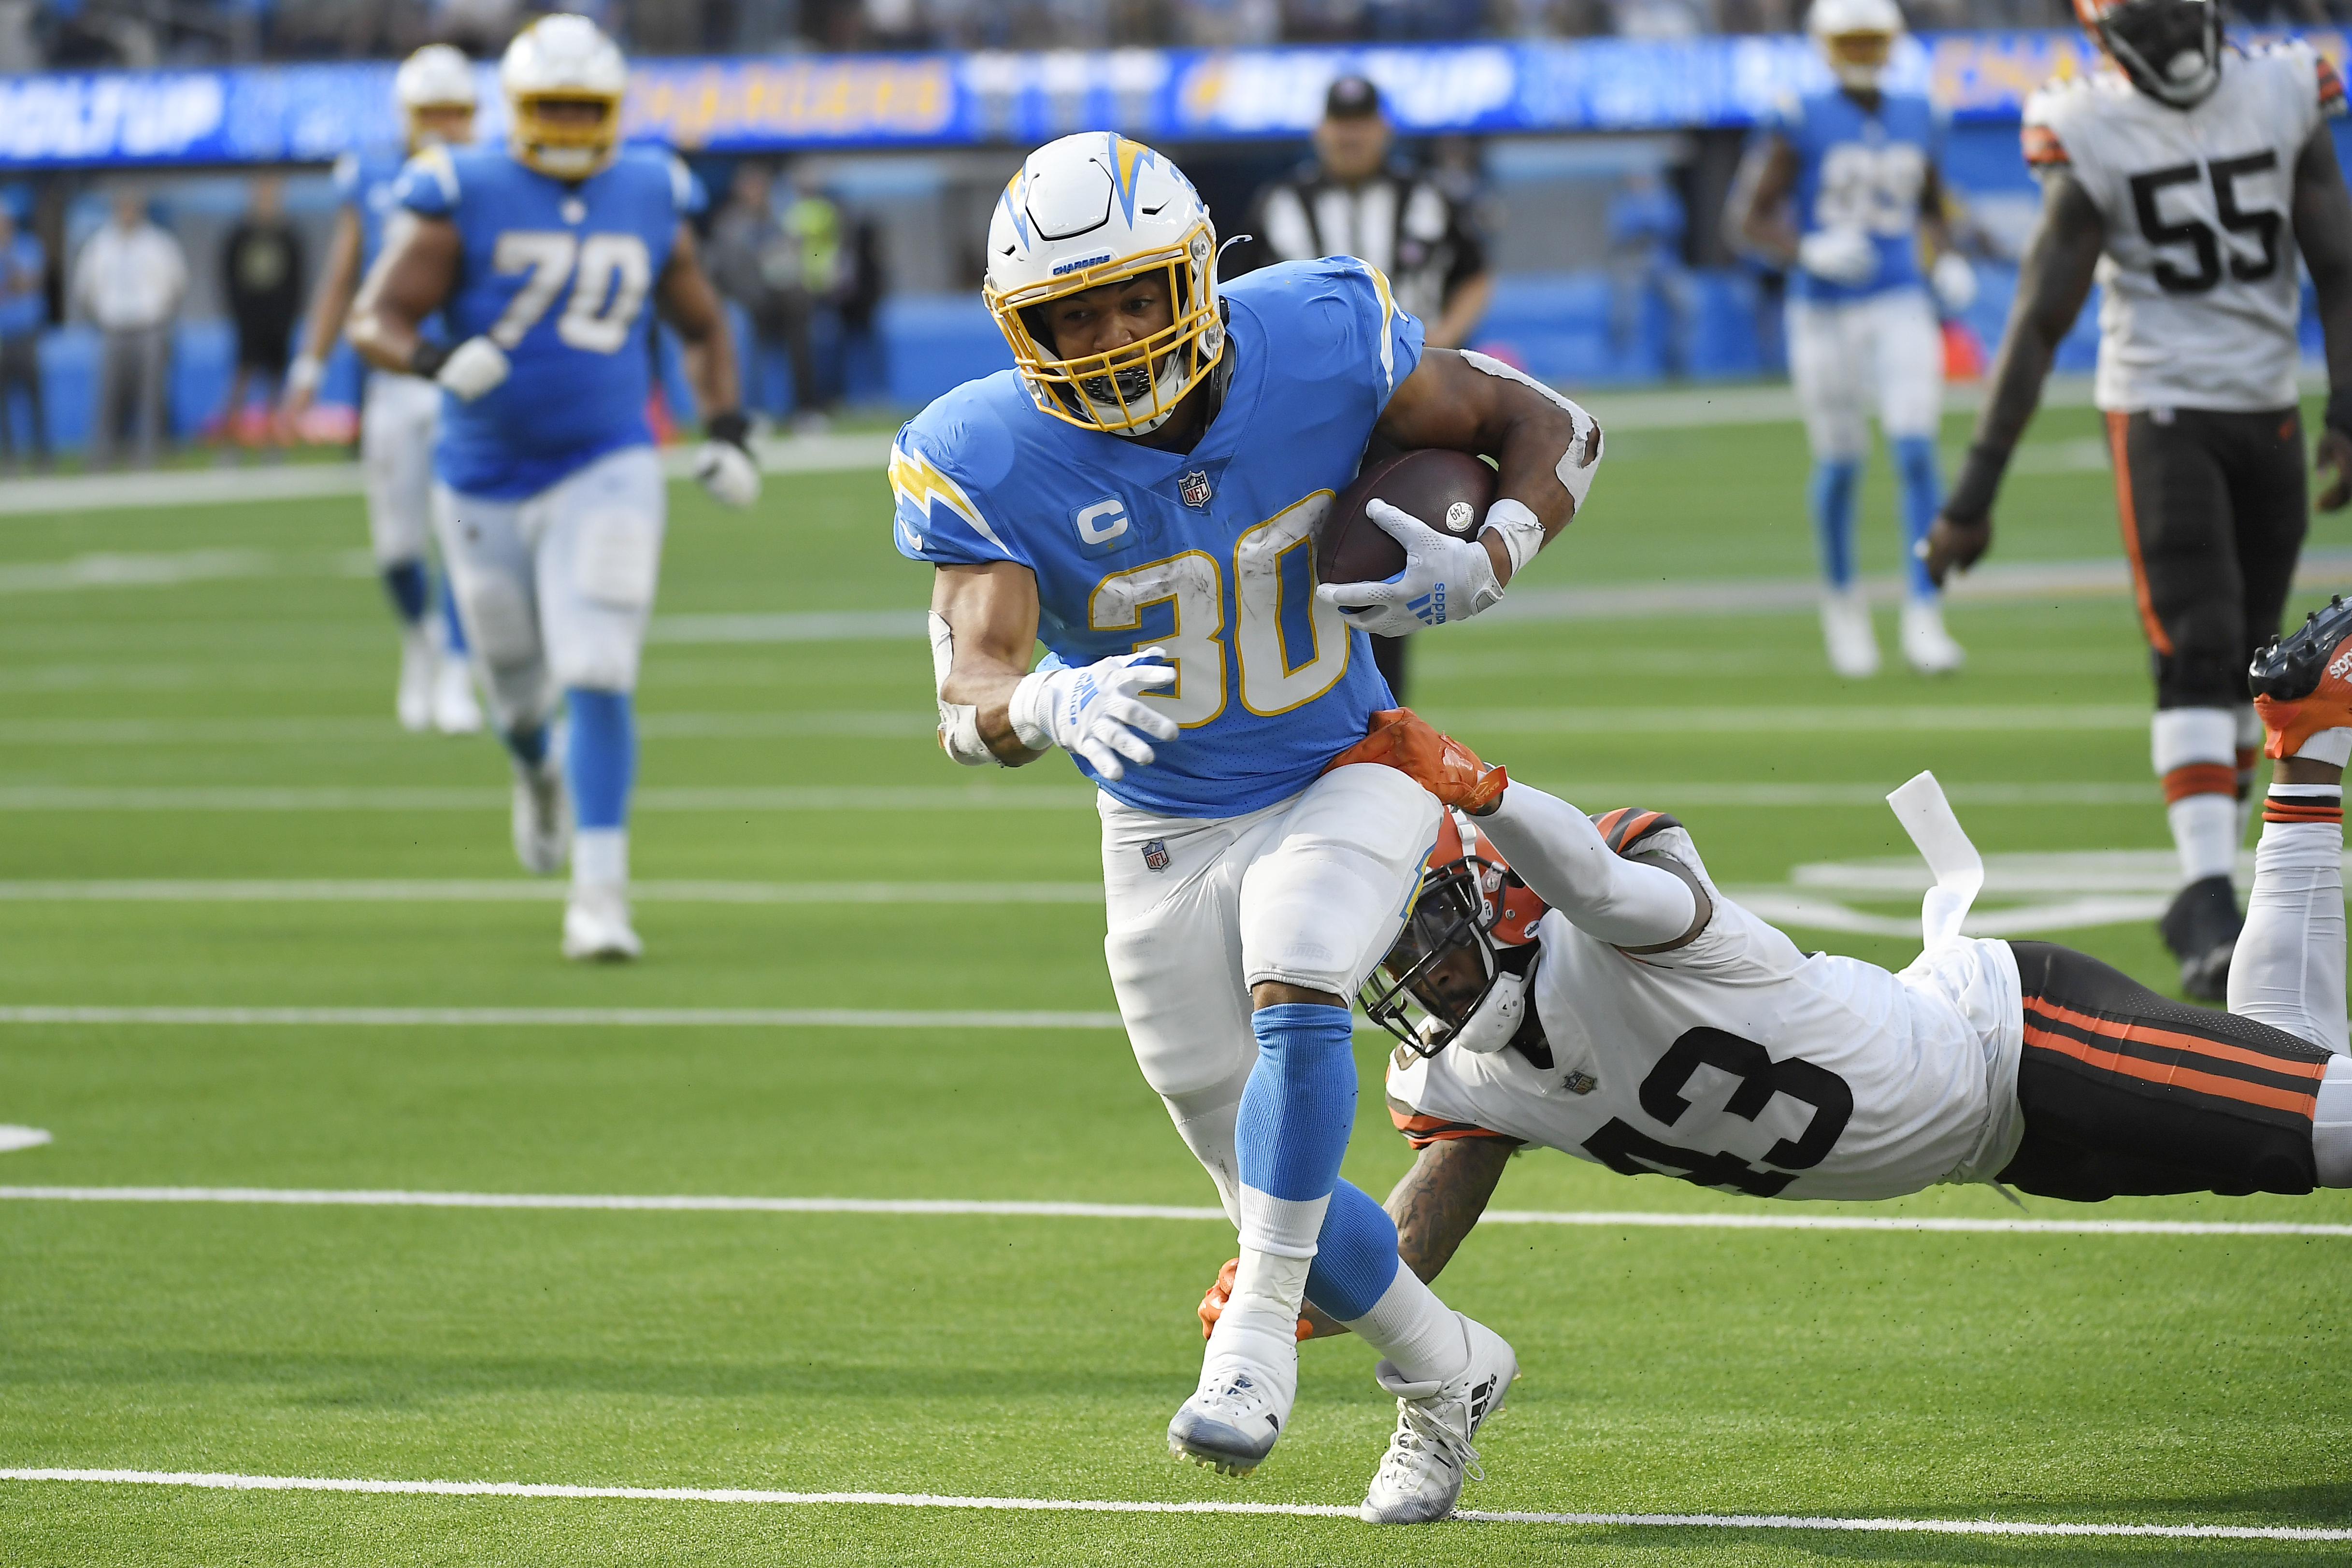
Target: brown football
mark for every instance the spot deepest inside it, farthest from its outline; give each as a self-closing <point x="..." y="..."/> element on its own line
<point x="1448" y="490"/>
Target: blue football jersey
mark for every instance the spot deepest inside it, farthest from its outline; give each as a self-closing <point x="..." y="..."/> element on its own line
<point x="368" y="182"/>
<point x="1861" y="170"/>
<point x="560" y="277"/>
<point x="1208" y="553"/>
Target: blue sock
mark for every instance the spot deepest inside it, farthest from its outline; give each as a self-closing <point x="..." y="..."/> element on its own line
<point x="454" y="638"/>
<point x="406" y="582"/>
<point x="1837" y="492"/>
<point x="530" y="746"/>
<point x="1355" y="1257"/>
<point x="1295" y="1113"/>
<point x="1919" y="480"/>
<point x="603" y="763"/>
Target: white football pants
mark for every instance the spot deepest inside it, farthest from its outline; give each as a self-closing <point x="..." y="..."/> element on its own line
<point x="1884" y="353"/>
<point x="399" y="417"/>
<point x="1310" y="892"/>
<point x="555" y="589"/>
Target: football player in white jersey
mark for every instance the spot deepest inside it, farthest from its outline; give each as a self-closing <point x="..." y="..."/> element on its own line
<point x="1581" y="984"/>
<point x="435" y="88"/>
<point x="1842" y="186"/>
<point x="1143" y="494"/>
<point x="2185" y="178"/>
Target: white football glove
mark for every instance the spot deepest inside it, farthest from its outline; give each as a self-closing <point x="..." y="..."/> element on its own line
<point x="1954" y="281"/>
<point x="1839" y="256"/>
<point x="1092" y="711"/>
<point x="1444" y="580"/>
<point x="726" y="471"/>
<point x="473" y="368"/>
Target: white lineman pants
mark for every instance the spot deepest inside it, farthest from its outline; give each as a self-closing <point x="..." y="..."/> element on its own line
<point x="1884" y="355"/>
<point x="1310" y="892"/>
<point x="555" y="589"/>
<point x="398" y="418"/>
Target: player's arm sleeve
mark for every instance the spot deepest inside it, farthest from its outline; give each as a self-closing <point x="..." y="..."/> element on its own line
<point x="2331" y="88"/>
<point x="428" y="184"/>
<point x="937" y="518"/>
<point x="1561" y="855"/>
<point x="2040" y="138"/>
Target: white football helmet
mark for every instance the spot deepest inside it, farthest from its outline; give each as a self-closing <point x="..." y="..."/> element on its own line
<point x="437" y="75"/>
<point x="1855" y="36"/>
<point x="563" y="59"/>
<point x="1095" y="209"/>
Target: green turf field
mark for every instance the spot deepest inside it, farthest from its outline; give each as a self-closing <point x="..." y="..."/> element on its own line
<point x="231" y="722"/>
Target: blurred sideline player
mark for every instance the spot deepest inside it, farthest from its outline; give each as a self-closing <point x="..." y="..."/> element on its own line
<point x="1141" y="493"/>
<point x="548" y="501"/>
<point x="2186" y="180"/>
<point x="1860" y="166"/>
<point x="434" y="87"/>
<point x="1582" y="984"/>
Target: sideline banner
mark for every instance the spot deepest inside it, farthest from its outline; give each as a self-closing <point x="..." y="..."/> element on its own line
<point x="310" y="113"/>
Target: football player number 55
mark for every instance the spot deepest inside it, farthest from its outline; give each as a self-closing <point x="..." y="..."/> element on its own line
<point x="1276" y="675"/>
<point x="609" y="273"/>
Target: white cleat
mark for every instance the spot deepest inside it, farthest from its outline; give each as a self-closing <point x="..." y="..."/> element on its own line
<point x="1247" y="1386"/>
<point x="1845" y="630"/>
<point x="596" y="926"/>
<point x="455" y="710"/>
<point x="1926" y="646"/>
<point x="1429" y="1456"/>
<point x="543" y="818"/>
<point x="414" y="700"/>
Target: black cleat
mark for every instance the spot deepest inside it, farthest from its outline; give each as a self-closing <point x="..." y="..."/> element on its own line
<point x="2303" y="683"/>
<point x="2202" y="928"/>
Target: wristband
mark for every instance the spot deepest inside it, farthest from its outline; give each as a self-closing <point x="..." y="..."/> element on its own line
<point x="303" y="374"/>
<point x="730" y="427"/>
<point x="2339" y="414"/>
<point x="427" y="357"/>
<point x="1980" y="481"/>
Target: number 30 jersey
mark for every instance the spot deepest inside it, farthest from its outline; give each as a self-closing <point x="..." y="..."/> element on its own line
<point x="560" y="277"/>
<point x="2202" y="290"/>
<point x="1739" y="1062"/>
<point x="1209" y="554"/>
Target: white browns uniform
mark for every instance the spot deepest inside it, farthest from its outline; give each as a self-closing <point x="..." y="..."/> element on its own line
<point x="2200" y="288"/>
<point x="1739" y="1062"/>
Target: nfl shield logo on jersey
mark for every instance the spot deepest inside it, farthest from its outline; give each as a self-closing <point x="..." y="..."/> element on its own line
<point x="1193" y="489"/>
<point x="1155" y="855"/>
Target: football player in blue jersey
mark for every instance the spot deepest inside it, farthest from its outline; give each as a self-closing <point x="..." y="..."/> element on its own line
<point x="1142" y="493"/>
<point x="1859" y="165"/>
<point x="542" y="257"/>
<point x="435" y="88"/>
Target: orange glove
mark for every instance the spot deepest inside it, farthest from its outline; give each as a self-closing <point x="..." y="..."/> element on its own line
<point x="1400" y="738"/>
<point x="1212" y="1305"/>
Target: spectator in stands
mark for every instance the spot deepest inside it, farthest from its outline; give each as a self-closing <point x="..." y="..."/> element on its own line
<point x="1350" y="199"/>
<point x="261" y="272"/>
<point x="24" y="311"/>
<point x="1647" y="222"/>
<point x="129" y="280"/>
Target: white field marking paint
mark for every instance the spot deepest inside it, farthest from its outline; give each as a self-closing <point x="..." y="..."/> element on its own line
<point x="312" y="481"/>
<point x="801" y="626"/>
<point x="12" y="1138"/>
<point x="543" y="891"/>
<point x="1757" y="720"/>
<point x="215" y="1481"/>
<point x="967" y="797"/>
<point x="854" y="724"/>
<point x="1605" y="1219"/>
<point x="135" y="571"/>
<point x="559" y="1017"/>
<point x="1782" y="907"/>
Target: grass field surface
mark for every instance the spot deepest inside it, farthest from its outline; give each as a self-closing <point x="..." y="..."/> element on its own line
<point x="204" y="805"/>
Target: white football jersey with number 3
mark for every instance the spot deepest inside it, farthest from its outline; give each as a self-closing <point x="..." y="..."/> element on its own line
<point x="2201" y="289"/>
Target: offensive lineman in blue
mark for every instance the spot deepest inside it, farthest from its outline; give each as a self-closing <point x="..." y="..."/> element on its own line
<point x="543" y="256"/>
<point x="434" y="89"/>
<point x="1143" y="493"/>
<point x="1858" y="165"/>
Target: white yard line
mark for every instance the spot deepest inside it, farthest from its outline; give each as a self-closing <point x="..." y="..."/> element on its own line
<point x="545" y="892"/>
<point x="220" y="1482"/>
<point x="561" y="1018"/>
<point x="1599" y="1219"/>
<point x="342" y="730"/>
<point x="12" y="1138"/>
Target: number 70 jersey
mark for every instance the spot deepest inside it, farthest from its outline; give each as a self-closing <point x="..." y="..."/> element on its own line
<point x="2200" y="288"/>
<point x="560" y="277"/>
<point x="1209" y="554"/>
